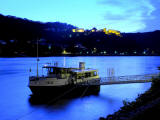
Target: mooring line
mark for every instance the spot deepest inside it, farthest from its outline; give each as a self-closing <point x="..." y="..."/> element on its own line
<point x="84" y="92"/>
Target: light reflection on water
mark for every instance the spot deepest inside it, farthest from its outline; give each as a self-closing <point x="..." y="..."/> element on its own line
<point x="14" y="73"/>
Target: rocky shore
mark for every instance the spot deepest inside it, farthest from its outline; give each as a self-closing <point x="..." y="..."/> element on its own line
<point x="145" y="107"/>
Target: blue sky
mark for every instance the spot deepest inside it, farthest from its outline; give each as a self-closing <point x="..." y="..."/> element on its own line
<point x="123" y="15"/>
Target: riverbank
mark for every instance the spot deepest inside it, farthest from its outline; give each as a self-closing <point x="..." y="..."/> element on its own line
<point x="69" y="55"/>
<point x="145" y="107"/>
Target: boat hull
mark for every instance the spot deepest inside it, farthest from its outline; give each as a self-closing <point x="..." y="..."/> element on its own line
<point x="66" y="90"/>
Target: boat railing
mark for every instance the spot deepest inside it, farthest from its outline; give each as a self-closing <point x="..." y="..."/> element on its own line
<point x="44" y="77"/>
<point x="121" y="79"/>
<point x="130" y="77"/>
<point x="87" y="82"/>
<point x="34" y="78"/>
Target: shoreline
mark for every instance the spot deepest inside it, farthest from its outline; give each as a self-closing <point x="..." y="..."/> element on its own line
<point x="80" y="56"/>
<point x="145" y="107"/>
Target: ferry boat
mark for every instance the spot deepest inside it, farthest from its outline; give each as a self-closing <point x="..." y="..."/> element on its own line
<point x="61" y="79"/>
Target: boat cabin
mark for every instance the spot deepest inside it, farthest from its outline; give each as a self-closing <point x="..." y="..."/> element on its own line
<point x="76" y="73"/>
<point x="59" y="72"/>
<point x="80" y="74"/>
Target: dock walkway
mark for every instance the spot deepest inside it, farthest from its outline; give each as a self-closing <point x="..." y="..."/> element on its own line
<point x="122" y="79"/>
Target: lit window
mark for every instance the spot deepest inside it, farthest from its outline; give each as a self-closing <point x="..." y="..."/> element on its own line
<point x="74" y="30"/>
<point x="95" y="73"/>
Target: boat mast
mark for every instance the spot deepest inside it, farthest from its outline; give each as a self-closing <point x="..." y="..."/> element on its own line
<point x="64" y="62"/>
<point x="37" y="59"/>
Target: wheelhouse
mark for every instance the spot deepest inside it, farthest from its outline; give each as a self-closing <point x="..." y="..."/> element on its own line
<point x="80" y="74"/>
<point x="59" y="72"/>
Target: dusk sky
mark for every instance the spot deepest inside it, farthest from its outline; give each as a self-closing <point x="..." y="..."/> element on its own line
<point x="122" y="15"/>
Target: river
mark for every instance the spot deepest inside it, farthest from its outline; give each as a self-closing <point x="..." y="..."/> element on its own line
<point x="15" y="94"/>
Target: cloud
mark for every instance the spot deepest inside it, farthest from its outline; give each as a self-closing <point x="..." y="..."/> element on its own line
<point x="153" y="24"/>
<point x="128" y="15"/>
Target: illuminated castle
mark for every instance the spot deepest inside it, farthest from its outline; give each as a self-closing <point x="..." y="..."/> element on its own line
<point x="78" y="30"/>
<point x="107" y="32"/>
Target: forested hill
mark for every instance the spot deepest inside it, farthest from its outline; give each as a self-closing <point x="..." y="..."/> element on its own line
<point x="18" y="37"/>
<point x="17" y="28"/>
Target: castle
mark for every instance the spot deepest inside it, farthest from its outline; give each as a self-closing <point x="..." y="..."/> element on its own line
<point x="107" y="32"/>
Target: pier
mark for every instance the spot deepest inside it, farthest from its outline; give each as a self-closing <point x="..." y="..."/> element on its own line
<point x="122" y="79"/>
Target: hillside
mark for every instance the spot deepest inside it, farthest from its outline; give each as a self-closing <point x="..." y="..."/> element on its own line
<point x="18" y="37"/>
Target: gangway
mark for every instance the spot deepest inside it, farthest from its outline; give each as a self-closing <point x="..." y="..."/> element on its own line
<point x="122" y="79"/>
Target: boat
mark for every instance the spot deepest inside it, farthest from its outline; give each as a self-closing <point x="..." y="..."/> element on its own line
<point x="62" y="79"/>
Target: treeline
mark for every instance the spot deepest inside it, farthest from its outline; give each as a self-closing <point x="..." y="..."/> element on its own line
<point x="18" y="37"/>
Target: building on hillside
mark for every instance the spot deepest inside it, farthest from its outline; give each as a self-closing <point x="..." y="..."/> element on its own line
<point x="113" y="32"/>
<point x="78" y="30"/>
<point x="94" y="30"/>
<point x="107" y="32"/>
<point x="64" y="52"/>
<point x="104" y="30"/>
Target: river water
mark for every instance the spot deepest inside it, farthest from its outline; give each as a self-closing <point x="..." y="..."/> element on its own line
<point x="15" y="94"/>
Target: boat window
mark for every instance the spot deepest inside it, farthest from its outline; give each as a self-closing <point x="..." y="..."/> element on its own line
<point x="61" y="71"/>
<point x="51" y="70"/>
<point x="95" y="73"/>
<point x="48" y="70"/>
<point x="87" y="75"/>
<point x="64" y="71"/>
<point x="67" y="71"/>
<point x="79" y="77"/>
<point x="56" y="71"/>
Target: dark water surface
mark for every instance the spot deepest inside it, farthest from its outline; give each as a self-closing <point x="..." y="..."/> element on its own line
<point x="15" y="94"/>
